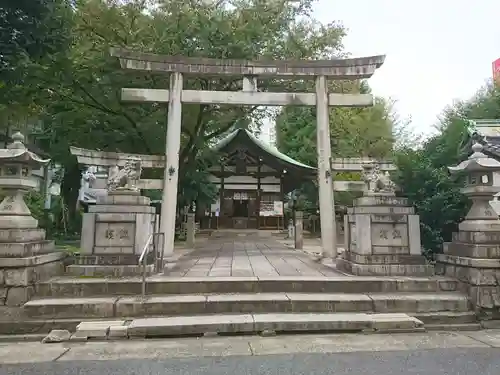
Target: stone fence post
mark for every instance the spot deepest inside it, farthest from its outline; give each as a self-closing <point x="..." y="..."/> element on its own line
<point x="190" y="230"/>
<point x="299" y="230"/>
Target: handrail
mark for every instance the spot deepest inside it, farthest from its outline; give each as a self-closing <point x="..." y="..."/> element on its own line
<point x="142" y="262"/>
<point x="146" y="247"/>
<point x="143" y="258"/>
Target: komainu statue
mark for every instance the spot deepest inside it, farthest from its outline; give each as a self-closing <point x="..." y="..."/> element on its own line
<point x="127" y="177"/>
<point x="376" y="181"/>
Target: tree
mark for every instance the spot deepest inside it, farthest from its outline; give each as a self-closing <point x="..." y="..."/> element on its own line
<point x="423" y="175"/>
<point x="82" y="90"/>
<point x="354" y="132"/>
<point x="30" y="32"/>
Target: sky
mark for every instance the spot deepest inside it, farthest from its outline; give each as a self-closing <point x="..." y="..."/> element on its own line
<point x="437" y="51"/>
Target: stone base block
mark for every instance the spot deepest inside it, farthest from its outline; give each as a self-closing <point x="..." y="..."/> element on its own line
<point x="479" y="237"/>
<point x="383" y="259"/>
<point x="29" y="275"/>
<point x="108" y="271"/>
<point x="111" y="259"/>
<point x="479" y="276"/>
<point x="26" y="249"/>
<point x="18" y="276"/>
<point x="19" y="235"/>
<point x="18" y="222"/>
<point x="359" y="269"/>
<point x="123" y="199"/>
<point x="486" y="300"/>
<point x="121" y="209"/>
<point x="463" y="249"/>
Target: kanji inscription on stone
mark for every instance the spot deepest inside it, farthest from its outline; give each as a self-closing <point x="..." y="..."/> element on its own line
<point x="114" y="234"/>
<point x="385" y="234"/>
<point x="396" y="234"/>
<point x="123" y="233"/>
<point x="109" y="234"/>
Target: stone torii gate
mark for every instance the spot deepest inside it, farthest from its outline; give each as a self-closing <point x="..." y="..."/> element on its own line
<point x="250" y="71"/>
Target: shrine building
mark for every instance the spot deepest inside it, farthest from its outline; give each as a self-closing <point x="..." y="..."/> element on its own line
<point x="253" y="178"/>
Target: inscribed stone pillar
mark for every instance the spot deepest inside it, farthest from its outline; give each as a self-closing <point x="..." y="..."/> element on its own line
<point x="325" y="182"/>
<point x="171" y="176"/>
<point x="299" y="230"/>
<point x="190" y="230"/>
<point x="115" y="231"/>
<point x="382" y="234"/>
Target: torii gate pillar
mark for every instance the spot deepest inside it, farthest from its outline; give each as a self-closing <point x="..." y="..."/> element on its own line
<point x="171" y="176"/>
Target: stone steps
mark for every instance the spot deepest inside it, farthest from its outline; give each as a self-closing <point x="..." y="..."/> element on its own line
<point x="193" y="304"/>
<point x="198" y="305"/>
<point x="90" y="287"/>
<point x="448" y="318"/>
<point x="270" y="323"/>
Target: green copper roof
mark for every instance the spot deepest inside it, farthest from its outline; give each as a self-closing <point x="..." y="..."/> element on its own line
<point x="263" y="145"/>
<point x="486" y="128"/>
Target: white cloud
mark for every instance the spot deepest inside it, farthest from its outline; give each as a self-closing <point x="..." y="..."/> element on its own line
<point x="437" y="50"/>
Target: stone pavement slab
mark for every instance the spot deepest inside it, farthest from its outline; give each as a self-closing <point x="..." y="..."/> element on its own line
<point x="245" y="257"/>
<point x="28" y="352"/>
<point x="34" y="352"/>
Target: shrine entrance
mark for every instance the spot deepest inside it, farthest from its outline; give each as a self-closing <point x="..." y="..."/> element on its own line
<point x="250" y="72"/>
<point x="252" y="178"/>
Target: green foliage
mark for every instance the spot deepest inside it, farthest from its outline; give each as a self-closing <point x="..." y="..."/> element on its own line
<point x="32" y="32"/>
<point x="354" y="132"/>
<point x="423" y="175"/>
<point x="78" y="94"/>
<point x="35" y="202"/>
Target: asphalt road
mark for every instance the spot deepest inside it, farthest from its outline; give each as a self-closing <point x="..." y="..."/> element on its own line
<point x="484" y="361"/>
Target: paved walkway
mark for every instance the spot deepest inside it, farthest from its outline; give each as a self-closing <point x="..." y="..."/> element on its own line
<point x="244" y="256"/>
<point x="242" y="347"/>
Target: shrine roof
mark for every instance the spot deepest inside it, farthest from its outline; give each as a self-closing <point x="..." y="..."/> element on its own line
<point x="243" y="135"/>
<point x="487" y="132"/>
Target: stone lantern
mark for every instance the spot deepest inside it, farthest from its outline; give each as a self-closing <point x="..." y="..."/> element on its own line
<point x="482" y="183"/>
<point x="16" y="166"/>
<point x="473" y="255"/>
<point x="26" y="257"/>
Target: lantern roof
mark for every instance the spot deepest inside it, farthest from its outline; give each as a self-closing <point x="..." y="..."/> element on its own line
<point x="17" y="152"/>
<point x="478" y="161"/>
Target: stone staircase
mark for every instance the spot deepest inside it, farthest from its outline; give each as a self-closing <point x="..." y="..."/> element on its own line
<point x="230" y="305"/>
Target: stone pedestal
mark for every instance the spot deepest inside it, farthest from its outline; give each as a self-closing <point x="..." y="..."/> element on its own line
<point x="299" y="230"/>
<point x="26" y="258"/>
<point x="382" y="237"/>
<point x="474" y="259"/>
<point x="114" y="234"/>
<point x="190" y="230"/>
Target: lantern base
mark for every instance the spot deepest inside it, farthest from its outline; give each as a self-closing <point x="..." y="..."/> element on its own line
<point x="13" y="222"/>
<point x="480" y="225"/>
<point x="26" y="258"/>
